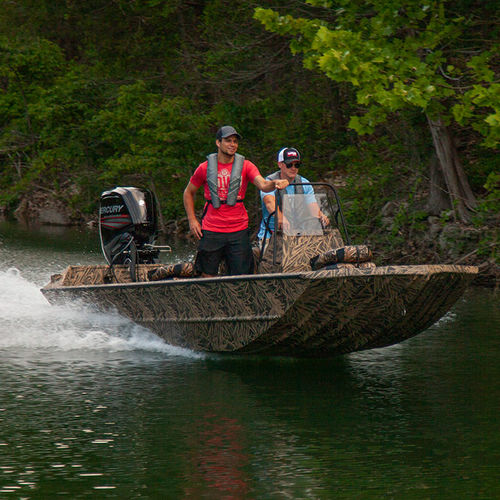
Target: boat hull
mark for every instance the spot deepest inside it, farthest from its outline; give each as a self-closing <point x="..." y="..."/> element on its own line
<point x="309" y="314"/>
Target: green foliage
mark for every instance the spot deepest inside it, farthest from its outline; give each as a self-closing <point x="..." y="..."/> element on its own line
<point x="487" y="124"/>
<point x="26" y="70"/>
<point x="97" y="94"/>
<point x="490" y="205"/>
<point x="152" y="138"/>
<point x="372" y="182"/>
<point x="400" y="54"/>
<point x="489" y="217"/>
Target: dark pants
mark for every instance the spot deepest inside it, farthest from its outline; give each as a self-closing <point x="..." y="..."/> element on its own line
<point x="234" y="248"/>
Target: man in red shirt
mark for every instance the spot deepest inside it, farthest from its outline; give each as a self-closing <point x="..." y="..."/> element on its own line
<point x="223" y="233"/>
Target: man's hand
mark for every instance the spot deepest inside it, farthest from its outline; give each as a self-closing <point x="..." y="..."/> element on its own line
<point x="325" y="221"/>
<point x="195" y="228"/>
<point x="268" y="185"/>
<point x="280" y="183"/>
<point x="188" y="198"/>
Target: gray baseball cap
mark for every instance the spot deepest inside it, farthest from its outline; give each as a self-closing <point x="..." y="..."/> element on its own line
<point x="226" y="131"/>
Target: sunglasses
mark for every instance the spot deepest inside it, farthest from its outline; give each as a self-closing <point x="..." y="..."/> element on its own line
<point x="295" y="164"/>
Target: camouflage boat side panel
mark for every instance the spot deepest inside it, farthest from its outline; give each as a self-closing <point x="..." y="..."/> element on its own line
<point x="317" y="313"/>
<point x="426" y="307"/>
<point x="220" y="314"/>
<point x="364" y="309"/>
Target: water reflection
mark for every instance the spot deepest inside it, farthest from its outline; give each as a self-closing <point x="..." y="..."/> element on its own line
<point x="217" y="457"/>
<point x="146" y="423"/>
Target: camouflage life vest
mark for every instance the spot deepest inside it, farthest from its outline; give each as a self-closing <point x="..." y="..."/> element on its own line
<point x="234" y="180"/>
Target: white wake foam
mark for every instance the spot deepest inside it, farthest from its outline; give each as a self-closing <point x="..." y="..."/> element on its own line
<point x="28" y="320"/>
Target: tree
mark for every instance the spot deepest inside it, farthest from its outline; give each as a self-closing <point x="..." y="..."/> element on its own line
<point x="437" y="56"/>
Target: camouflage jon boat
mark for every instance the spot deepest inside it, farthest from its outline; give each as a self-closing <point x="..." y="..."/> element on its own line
<point x="311" y="296"/>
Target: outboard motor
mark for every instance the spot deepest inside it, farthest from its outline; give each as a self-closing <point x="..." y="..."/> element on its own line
<point x="128" y="227"/>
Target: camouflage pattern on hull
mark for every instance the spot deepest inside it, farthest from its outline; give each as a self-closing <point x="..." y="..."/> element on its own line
<point x="313" y="313"/>
<point x="345" y="304"/>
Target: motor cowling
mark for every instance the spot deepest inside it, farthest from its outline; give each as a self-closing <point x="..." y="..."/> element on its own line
<point x="128" y="225"/>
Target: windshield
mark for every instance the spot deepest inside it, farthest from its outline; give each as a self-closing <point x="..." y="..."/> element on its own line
<point x="306" y="214"/>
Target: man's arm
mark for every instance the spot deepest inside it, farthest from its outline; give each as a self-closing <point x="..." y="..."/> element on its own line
<point x="188" y="198"/>
<point x="267" y="185"/>
<point x="269" y="202"/>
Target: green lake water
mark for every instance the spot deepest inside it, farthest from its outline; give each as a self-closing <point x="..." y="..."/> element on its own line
<point x="93" y="406"/>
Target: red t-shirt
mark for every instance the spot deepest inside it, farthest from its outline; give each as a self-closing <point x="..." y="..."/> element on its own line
<point x="225" y="219"/>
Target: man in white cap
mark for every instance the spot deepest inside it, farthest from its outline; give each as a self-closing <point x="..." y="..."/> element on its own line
<point x="288" y="163"/>
<point x="223" y="232"/>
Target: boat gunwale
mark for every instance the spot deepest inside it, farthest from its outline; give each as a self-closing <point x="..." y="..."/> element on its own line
<point x="407" y="270"/>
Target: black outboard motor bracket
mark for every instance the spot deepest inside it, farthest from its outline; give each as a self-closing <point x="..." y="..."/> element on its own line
<point x="128" y="227"/>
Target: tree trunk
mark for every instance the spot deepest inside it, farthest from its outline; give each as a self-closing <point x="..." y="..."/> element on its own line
<point x="461" y="196"/>
<point x="438" y="200"/>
